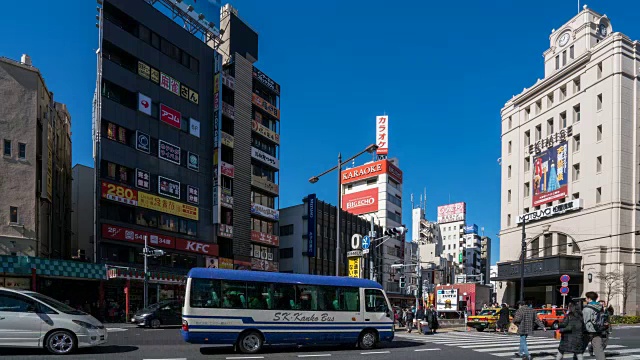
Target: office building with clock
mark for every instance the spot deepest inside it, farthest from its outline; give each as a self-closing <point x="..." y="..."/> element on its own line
<point x="570" y="175"/>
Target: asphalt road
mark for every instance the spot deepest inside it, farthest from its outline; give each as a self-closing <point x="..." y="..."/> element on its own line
<point x="128" y="342"/>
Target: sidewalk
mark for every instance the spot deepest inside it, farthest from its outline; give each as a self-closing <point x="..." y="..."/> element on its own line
<point x="440" y="330"/>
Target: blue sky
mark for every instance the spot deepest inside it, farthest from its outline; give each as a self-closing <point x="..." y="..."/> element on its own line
<point x="440" y="70"/>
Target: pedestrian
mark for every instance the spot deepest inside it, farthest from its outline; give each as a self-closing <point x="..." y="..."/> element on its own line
<point x="409" y="320"/>
<point x="396" y="317"/>
<point x="432" y="319"/>
<point x="419" y="318"/>
<point x="572" y="330"/>
<point x="503" y="319"/>
<point x="525" y="318"/>
<point x="596" y="325"/>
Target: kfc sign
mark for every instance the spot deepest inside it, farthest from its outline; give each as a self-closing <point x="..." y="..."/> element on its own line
<point x="361" y="202"/>
<point x="452" y="212"/>
<point x="196" y="247"/>
<point x="170" y="116"/>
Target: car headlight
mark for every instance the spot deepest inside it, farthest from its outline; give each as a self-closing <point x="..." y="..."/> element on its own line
<point x="85" y="325"/>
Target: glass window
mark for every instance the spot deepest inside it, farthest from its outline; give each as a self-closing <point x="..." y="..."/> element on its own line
<point x="13" y="214"/>
<point x="7" y="147"/>
<point x="168" y="222"/>
<point x="234" y="294"/>
<point x="22" y="150"/>
<point x="146" y="218"/>
<point x="260" y="296"/>
<point x="284" y="296"/>
<point x="16" y="303"/>
<point x="205" y="293"/>
<point x="375" y="301"/>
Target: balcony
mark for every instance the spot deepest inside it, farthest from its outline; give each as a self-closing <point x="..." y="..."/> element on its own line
<point x="263" y="184"/>
<point x="225" y="231"/>
<point x="550" y="267"/>
<point x="229" y="111"/>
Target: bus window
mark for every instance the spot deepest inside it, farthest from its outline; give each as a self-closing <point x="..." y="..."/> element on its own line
<point x="284" y="296"/>
<point x="375" y="301"/>
<point x="233" y="294"/>
<point x="259" y="296"/>
<point x="348" y="299"/>
<point x="205" y="293"/>
<point x="306" y="296"/>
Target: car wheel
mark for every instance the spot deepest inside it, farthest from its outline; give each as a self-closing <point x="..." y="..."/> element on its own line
<point x="155" y="323"/>
<point x="480" y="329"/>
<point x="61" y="342"/>
<point x="250" y="342"/>
<point x="555" y="325"/>
<point x="368" y="340"/>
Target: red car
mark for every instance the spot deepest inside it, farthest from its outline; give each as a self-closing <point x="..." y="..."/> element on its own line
<point x="551" y="317"/>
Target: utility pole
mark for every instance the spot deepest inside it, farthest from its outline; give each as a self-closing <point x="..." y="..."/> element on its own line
<point x="339" y="208"/>
<point x="523" y="253"/>
<point x="146" y="277"/>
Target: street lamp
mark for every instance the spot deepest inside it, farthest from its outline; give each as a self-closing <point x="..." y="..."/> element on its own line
<point x="369" y="149"/>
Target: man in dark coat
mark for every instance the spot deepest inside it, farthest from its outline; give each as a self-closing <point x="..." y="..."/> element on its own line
<point x="503" y="319"/>
<point x="572" y="329"/>
<point x="525" y="317"/>
<point x="432" y="319"/>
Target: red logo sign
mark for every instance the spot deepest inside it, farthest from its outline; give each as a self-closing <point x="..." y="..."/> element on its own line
<point x="170" y="116"/>
<point x="118" y="233"/>
<point x="144" y="103"/>
<point x="266" y="239"/>
<point x="196" y="247"/>
<point x="361" y="202"/>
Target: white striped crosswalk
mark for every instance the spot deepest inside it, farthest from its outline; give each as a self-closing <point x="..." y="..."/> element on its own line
<point x="507" y="346"/>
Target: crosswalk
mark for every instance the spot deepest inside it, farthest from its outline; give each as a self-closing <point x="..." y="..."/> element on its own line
<point x="506" y="346"/>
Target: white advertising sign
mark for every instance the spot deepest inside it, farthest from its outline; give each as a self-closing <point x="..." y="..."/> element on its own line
<point x="194" y="127"/>
<point x="551" y="211"/>
<point x="382" y="134"/>
<point x="144" y="104"/>
<point x="447" y="300"/>
<point x="265" y="211"/>
<point x="265" y="158"/>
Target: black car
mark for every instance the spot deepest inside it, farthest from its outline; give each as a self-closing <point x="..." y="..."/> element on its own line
<point x="163" y="313"/>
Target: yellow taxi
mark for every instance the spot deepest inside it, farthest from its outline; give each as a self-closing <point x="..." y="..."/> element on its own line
<point x="486" y="319"/>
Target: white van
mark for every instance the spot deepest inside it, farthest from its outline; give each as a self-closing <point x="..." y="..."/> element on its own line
<point x="30" y="319"/>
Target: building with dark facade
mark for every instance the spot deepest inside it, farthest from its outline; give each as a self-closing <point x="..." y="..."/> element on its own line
<point x="186" y="134"/>
<point x="306" y="249"/>
<point x="153" y="122"/>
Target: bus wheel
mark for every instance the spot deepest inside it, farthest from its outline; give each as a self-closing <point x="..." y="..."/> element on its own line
<point x="250" y="342"/>
<point x="368" y="340"/>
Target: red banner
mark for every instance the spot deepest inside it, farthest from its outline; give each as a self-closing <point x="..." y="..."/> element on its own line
<point x="370" y="170"/>
<point x="196" y="247"/>
<point x="170" y="116"/>
<point x="119" y="233"/>
<point x="266" y="239"/>
<point x="361" y="202"/>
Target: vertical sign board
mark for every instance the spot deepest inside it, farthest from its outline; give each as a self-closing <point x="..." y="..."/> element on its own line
<point x="312" y="203"/>
<point x="382" y="135"/>
<point x="217" y="121"/>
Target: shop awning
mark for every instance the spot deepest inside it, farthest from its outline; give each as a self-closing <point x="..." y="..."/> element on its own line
<point x="22" y="265"/>
<point x="545" y="267"/>
<point x="137" y="274"/>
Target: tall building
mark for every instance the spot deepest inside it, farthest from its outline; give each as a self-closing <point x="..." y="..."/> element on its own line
<point x="308" y="238"/>
<point x="485" y="258"/>
<point x="452" y="220"/>
<point x="183" y="159"/>
<point x="569" y="168"/>
<point x="374" y="190"/>
<point x="82" y="215"/>
<point x="246" y="151"/>
<point x="35" y="167"/>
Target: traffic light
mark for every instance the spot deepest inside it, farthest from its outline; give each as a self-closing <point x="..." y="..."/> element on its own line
<point x="402" y="282"/>
<point x="395" y="231"/>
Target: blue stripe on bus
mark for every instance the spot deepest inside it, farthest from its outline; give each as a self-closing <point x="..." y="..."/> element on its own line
<point x="281" y="338"/>
<point x="267" y="327"/>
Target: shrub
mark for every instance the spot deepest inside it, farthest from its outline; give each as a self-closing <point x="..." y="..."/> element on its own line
<point x="617" y="319"/>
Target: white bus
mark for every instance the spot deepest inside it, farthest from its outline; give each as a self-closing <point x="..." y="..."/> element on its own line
<point x="249" y="309"/>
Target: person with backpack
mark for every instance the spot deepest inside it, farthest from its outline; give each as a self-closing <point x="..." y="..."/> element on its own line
<point x="572" y="334"/>
<point x="596" y="322"/>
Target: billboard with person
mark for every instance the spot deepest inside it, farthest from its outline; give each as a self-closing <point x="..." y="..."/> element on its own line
<point x="550" y="175"/>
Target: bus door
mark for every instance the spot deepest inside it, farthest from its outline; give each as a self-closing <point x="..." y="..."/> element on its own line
<point x="376" y="307"/>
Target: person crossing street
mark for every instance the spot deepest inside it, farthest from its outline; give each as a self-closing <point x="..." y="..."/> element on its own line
<point x="525" y="318"/>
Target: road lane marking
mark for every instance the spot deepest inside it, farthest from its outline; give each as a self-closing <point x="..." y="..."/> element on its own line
<point x="244" y="357"/>
<point x="313" y="355"/>
<point x="116" y="329"/>
<point x="375" y="352"/>
<point x="427" y="349"/>
<point x="168" y="359"/>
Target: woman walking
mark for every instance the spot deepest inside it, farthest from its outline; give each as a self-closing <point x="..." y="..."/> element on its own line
<point x="503" y="319"/>
<point x="572" y="330"/>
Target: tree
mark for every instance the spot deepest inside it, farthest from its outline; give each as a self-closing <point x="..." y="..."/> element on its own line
<point x="628" y="282"/>
<point x="611" y="282"/>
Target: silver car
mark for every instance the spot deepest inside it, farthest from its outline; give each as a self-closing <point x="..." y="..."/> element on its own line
<point x="30" y="319"/>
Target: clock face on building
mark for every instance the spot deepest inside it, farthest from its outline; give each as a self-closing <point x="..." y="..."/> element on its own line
<point x="564" y="39"/>
<point x="603" y="29"/>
